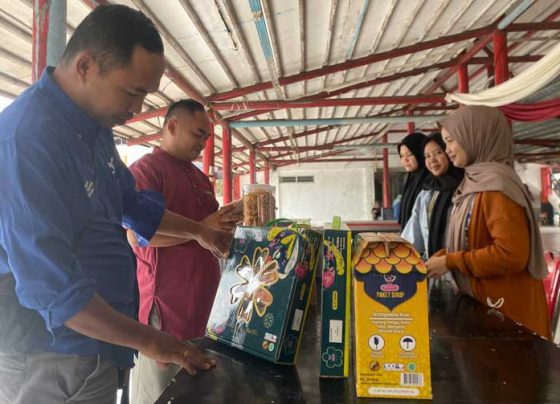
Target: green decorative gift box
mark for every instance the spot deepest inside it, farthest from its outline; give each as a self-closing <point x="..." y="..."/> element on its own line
<point x="335" y="303"/>
<point x="262" y="300"/>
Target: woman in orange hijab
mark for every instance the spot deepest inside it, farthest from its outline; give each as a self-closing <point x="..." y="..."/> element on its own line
<point x="494" y="248"/>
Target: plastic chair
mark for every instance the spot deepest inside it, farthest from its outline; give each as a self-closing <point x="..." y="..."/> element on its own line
<point x="555" y="289"/>
<point x="552" y="282"/>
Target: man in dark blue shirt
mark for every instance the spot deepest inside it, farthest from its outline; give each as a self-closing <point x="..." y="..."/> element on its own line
<point x="67" y="274"/>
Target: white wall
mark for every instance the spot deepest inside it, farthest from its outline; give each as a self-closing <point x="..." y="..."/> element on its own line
<point x="530" y="174"/>
<point x="341" y="189"/>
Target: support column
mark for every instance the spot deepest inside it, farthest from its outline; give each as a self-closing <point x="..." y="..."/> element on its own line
<point x="386" y="185"/>
<point x="462" y="79"/>
<point x="236" y="187"/>
<point x="49" y="34"/>
<point x="410" y="127"/>
<point x="226" y="165"/>
<point x="501" y="70"/>
<point x="208" y="156"/>
<point x="267" y="173"/>
<point x="252" y="166"/>
<point x="546" y="184"/>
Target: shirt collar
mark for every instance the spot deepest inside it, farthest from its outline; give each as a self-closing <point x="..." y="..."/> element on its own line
<point x="78" y="118"/>
<point x="158" y="151"/>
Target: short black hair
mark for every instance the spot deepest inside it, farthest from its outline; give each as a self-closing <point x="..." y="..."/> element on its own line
<point x="186" y="104"/>
<point x="111" y="32"/>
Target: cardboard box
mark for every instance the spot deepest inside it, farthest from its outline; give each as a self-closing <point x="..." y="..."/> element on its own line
<point x="262" y="299"/>
<point x="335" y="303"/>
<point x="392" y="343"/>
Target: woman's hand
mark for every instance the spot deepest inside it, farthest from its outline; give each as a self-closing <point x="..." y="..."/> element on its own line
<point x="436" y="266"/>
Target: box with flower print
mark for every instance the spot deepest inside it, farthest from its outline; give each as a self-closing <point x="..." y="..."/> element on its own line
<point x="335" y="303"/>
<point x="392" y="345"/>
<point x="262" y="299"/>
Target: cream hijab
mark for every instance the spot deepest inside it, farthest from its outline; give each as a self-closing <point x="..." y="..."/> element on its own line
<point x="485" y="135"/>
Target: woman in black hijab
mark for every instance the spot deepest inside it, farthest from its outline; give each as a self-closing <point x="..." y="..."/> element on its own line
<point x="445" y="186"/>
<point x="412" y="159"/>
<point x="427" y="226"/>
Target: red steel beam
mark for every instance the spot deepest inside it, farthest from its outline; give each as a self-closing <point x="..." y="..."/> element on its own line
<point x="152" y="113"/>
<point x="386" y="184"/>
<point x="308" y="133"/>
<point x="208" y="156"/>
<point x="442" y="78"/>
<point x="267" y="173"/>
<point x="410" y="126"/>
<point x="178" y="79"/>
<point x="386" y="79"/>
<point x="363" y="61"/>
<point x="298" y="149"/>
<point x="463" y="78"/>
<point x="330" y="146"/>
<point x="501" y="71"/>
<point x="144" y="139"/>
<point x="226" y="164"/>
<point x="252" y="166"/>
<point x="280" y="104"/>
<point x="346" y="160"/>
<point x="39" y="38"/>
<point x="545" y="154"/>
<point x="518" y="43"/>
<point x="546" y="25"/>
<point x="538" y="142"/>
<point x="378" y="57"/>
<point x="546" y="183"/>
<point x="236" y="187"/>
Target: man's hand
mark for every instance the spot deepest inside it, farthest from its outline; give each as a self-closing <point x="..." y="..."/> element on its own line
<point x="165" y="349"/>
<point x="227" y="217"/>
<point x="100" y="321"/>
<point x="131" y="237"/>
<point x="215" y="240"/>
<point x="436" y="266"/>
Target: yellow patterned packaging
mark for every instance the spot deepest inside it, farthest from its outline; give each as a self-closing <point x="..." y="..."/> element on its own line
<point x="392" y="343"/>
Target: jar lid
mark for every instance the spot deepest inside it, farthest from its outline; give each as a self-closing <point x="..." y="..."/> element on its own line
<point x="258" y="187"/>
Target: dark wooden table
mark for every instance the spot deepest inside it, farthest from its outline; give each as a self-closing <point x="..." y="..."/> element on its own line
<point x="477" y="355"/>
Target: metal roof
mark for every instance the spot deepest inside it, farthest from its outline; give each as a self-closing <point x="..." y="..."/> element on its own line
<point x="260" y="50"/>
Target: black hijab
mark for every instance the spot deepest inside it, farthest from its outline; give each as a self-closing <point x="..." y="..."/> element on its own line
<point x="446" y="185"/>
<point x="414" y="180"/>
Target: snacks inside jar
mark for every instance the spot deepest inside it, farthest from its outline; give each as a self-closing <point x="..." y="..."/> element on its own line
<point x="258" y="204"/>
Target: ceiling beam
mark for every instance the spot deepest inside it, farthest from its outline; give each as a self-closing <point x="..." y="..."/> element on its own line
<point x="517" y="43"/>
<point x="350" y="64"/>
<point x="385" y="79"/>
<point x="378" y="57"/>
<point x="334" y="121"/>
<point x="281" y="104"/>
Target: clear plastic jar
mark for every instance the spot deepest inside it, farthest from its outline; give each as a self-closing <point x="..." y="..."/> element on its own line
<point x="258" y="204"/>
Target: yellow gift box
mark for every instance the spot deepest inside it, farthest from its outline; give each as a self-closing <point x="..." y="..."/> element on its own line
<point x="392" y="345"/>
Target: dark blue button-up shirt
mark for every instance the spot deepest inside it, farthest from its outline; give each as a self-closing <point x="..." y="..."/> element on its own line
<point x="65" y="195"/>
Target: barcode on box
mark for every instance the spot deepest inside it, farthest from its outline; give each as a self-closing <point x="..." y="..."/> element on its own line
<point x="336" y="329"/>
<point x="298" y="316"/>
<point x="412" y="379"/>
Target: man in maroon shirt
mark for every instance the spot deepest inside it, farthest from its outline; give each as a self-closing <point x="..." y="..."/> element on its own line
<point x="177" y="279"/>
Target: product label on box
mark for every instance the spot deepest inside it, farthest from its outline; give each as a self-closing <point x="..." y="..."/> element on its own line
<point x="298" y="316"/>
<point x="391" y="320"/>
<point x="260" y="304"/>
<point x="336" y="331"/>
<point x="335" y="310"/>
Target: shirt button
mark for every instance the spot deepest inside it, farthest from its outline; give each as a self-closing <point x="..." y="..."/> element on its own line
<point x="79" y="135"/>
